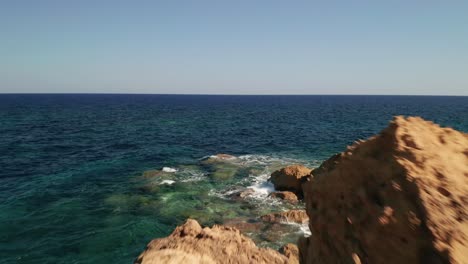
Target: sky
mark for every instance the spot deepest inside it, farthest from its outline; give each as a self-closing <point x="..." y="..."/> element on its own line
<point x="234" y="47"/>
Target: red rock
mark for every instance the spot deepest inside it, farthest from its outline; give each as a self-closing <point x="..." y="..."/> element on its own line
<point x="296" y="216"/>
<point x="290" y="178"/>
<point x="284" y="195"/>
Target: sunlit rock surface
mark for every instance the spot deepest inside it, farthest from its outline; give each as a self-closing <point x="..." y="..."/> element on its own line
<point x="399" y="197"/>
<point x="190" y="243"/>
<point x="290" y="178"/>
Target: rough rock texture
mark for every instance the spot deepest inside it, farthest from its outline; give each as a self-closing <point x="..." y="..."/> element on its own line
<point x="291" y="252"/>
<point x="284" y="195"/>
<point x="244" y="225"/>
<point x="190" y="243"/>
<point x="399" y="197"/>
<point x="296" y="216"/>
<point x="289" y="178"/>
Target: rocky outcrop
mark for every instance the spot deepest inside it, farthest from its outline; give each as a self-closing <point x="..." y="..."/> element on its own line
<point x="294" y="216"/>
<point x="291" y="252"/>
<point x="290" y="178"/>
<point x="284" y="195"/>
<point x="190" y="243"/>
<point x="399" y="197"/>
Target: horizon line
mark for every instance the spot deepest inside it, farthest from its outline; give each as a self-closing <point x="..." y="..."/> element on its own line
<point x="215" y="94"/>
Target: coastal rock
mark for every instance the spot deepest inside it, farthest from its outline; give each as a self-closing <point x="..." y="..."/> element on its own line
<point x="284" y="195"/>
<point x="399" y="197"/>
<point x="242" y="194"/>
<point x="190" y="243"/>
<point x="291" y="252"/>
<point x="295" y="216"/>
<point x="290" y="178"/>
<point x="244" y="225"/>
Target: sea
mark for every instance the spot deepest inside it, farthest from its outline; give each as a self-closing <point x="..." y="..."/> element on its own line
<point x="92" y="178"/>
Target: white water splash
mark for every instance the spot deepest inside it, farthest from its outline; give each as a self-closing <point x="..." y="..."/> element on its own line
<point x="168" y="182"/>
<point x="261" y="186"/>
<point x="169" y="169"/>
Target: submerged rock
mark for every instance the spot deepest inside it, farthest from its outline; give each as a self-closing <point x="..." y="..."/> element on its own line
<point x="243" y="225"/>
<point x="284" y="195"/>
<point x="224" y="156"/>
<point x="399" y="197"/>
<point x="242" y="194"/>
<point x="222" y="166"/>
<point x="224" y="171"/>
<point x="152" y="173"/>
<point x="295" y="216"/>
<point x="290" y="178"/>
<point x="190" y="243"/>
<point x="218" y="158"/>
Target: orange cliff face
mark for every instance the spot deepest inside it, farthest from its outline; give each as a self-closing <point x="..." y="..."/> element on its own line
<point x="399" y="197"/>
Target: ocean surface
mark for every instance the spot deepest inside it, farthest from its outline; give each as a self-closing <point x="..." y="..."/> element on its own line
<point x="81" y="180"/>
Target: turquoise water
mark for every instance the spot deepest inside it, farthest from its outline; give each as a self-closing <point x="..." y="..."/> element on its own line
<point x="77" y="179"/>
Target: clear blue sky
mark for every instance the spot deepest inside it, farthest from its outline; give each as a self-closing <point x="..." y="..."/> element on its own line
<point x="234" y="47"/>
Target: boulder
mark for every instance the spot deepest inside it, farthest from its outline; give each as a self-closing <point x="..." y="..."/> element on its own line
<point x="295" y="216"/>
<point x="284" y="195"/>
<point x="399" y="197"/>
<point x="290" y="178"/>
<point x="190" y="243"/>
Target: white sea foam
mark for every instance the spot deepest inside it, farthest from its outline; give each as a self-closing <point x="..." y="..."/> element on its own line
<point x="169" y="169"/>
<point x="222" y="157"/>
<point x="258" y="181"/>
<point x="191" y="175"/>
<point x="261" y="186"/>
<point x="194" y="177"/>
<point x="304" y="229"/>
<point x="168" y="182"/>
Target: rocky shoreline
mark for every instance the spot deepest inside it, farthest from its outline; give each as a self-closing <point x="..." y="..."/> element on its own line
<point x="398" y="197"/>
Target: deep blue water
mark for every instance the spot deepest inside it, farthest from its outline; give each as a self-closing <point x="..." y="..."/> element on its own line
<point x="71" y="165"/>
